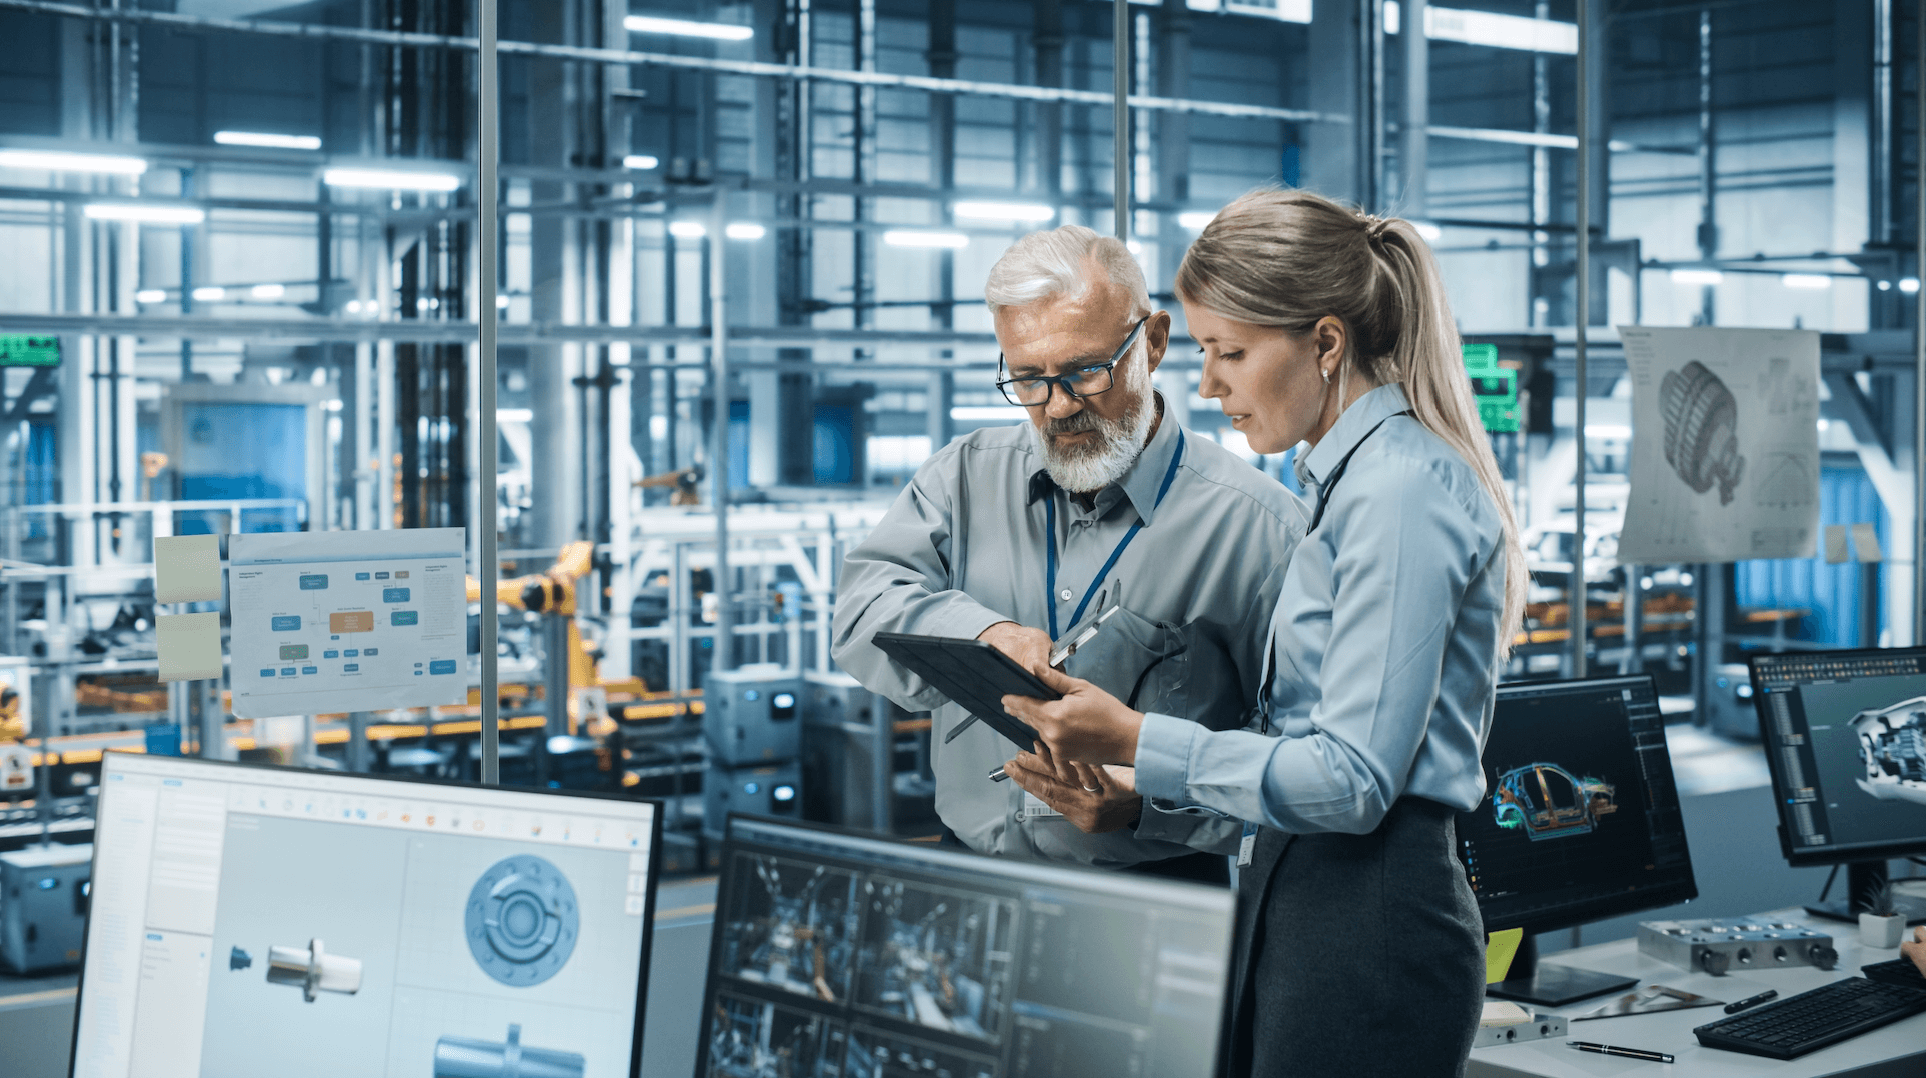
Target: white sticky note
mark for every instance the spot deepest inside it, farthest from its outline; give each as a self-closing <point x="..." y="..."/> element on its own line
<point x="1865" y="542"/>
<point x="187" y="569"/>
<point x="189" y="646"/>
<point x="1836" y="545"/>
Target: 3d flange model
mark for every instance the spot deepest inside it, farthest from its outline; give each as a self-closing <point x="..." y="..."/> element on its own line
<point x="312" y="970"/>
<point x="462" y="1057"/>
<point x="522" y="920"/>
<point x="1702" y="429"/>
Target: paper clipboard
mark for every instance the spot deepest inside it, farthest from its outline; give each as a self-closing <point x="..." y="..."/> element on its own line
<point x="972" y="674"/>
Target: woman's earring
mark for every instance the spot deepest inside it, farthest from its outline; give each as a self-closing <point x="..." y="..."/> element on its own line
<point x="1326" y="374"/>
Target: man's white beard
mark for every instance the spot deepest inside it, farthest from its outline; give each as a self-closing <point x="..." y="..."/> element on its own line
<point x="1088" y="468"/>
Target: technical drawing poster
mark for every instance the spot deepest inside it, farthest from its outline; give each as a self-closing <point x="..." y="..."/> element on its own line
<point x="347" y="621"/>
<point x="1725" y="453"/>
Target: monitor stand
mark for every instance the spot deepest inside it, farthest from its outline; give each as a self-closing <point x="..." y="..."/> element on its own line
<point x="1862" y="879"/>
<point x="1552" y="986"/>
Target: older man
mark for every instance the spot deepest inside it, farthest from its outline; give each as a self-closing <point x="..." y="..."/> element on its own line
<point x="1025" y="534"/>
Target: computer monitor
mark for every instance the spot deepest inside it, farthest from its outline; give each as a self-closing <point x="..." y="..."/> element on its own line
<point x="252" y="920"/>
<point x="1845" y="737"/>
<point x="844" y="956"/>
<point x="1580" y="821"/>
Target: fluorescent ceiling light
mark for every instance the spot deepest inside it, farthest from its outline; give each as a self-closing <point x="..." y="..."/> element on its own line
<point x="268" y="291"/>
<point x="1697" y="276"/>
<point x="1490" y="28"/>
<point x="59" y="161"/>
<point x="902" y="237"/>
<point x="151" y="214"/>
<point x="514" y="415"/>
<point x="1909" y="284"/>
<point x="1811" y="282"/>
<point x="992" y="413"/>
<point x="501" y="302"/>
<point x="1431" y="233"/>
<point x="1005" y="211"/>
<point x="640" y="161"/>
<point x="208" y="293"/>
<point x="354" y="306"/>
<point x="390" y="179"/>
<point x="1282" y="10"/>
<point x="716" y="31"/>
<point x="687" y="230"/>
<point x="151" y="295"/>
<point x="262" y="138"/>
<point x="1196" y="220"/>
<point x="744" y="230"/>
<point x="1616" y="431"/>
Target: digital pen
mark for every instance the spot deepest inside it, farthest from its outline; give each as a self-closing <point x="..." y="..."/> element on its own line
<point x="1629" y="1053"/>
<point x="1056" y="659"/>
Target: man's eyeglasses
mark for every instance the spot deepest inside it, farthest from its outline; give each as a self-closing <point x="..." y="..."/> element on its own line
<point x="1034" y="391"/>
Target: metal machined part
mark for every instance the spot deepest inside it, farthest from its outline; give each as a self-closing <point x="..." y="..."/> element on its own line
<point x="313" y="970"/>
<point x="521" y="920"/>
<point x="1702" y="430"/>
<point x="466" y="1057"/>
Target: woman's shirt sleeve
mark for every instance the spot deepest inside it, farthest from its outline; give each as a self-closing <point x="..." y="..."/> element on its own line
<point x="1406" y="550"/>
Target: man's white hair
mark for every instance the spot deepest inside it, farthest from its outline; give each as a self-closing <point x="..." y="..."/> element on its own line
<point x="1043" y="265"/>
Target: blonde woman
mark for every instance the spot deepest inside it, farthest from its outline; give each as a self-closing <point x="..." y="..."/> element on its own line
<point x="1359" y="946"/>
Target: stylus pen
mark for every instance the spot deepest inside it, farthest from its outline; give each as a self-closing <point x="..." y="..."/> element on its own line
<point x="1629" y="1053"/>
<point x="1056" y="659"/>
<point x="1735" y="1008"/>
<point x="999" y="775"/>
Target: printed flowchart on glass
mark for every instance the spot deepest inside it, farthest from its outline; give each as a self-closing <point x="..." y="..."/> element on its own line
<point x="347" y="621"/>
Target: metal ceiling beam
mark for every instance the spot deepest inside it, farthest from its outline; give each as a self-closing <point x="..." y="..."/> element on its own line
<point x="404" y="39"/>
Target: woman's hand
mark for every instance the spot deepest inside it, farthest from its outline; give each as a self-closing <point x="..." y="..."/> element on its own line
<point x="1087" y="726"/>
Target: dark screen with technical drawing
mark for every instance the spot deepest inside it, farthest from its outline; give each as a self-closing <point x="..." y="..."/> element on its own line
<point x="1580" y="818"/>
<point x="843" y="956"/>
<point x="1845" y="736"/>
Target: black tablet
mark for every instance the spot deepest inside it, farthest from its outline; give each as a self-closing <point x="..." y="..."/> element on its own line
<point x="973" y="674"/>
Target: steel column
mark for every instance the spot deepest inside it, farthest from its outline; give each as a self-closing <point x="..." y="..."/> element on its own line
<point x="1120" y="152"/>
<point x="487" y="451"/>
<point x="1581" y="316"/>
<point x="725" y="638"/>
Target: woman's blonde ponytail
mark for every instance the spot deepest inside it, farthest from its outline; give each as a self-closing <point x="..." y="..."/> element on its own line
<point x="1286" y="258"/>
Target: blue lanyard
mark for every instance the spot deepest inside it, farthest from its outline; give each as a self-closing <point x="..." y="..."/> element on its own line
<point x="1050" y="540"/>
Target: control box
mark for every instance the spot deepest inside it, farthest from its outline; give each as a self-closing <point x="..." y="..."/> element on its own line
<point x="775" y="790"/>
<point x="1719" y="947"/>
<point x="43" y="906"/>
<point x="752" y="715"/>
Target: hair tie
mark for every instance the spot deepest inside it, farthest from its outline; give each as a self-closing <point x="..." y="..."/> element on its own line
<point x="1375" y="226"/>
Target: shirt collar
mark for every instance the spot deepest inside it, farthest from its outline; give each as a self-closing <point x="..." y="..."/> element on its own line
<point x="1358" y="420"/>
<point x="1146" y="475"/>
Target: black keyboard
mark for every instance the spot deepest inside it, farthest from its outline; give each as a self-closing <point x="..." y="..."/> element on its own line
<point x="1813" y="1020"/>
<point x="1898" y="971"/>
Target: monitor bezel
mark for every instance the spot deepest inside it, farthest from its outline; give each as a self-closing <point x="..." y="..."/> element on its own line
<point x="1811" y="857"/>
<point x="724" y="867"/>
<point x="648" y="908"/>
<point x="1620" y="904"/>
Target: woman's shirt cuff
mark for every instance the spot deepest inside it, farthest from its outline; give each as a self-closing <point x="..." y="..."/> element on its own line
<point x="1163" y="756"/>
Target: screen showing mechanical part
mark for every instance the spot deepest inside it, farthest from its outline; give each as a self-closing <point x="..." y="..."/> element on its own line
<point x="840" y="956"/>
<point x="1580" y="818"/>
<point x="1845" y="735"/>
<point x="256" y="920"/>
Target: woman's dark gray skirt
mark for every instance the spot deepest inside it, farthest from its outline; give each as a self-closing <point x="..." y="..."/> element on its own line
<point x="1357" y="955"/>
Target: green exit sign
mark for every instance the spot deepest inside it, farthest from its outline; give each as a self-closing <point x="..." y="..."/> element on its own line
<point x="22" y="350"/>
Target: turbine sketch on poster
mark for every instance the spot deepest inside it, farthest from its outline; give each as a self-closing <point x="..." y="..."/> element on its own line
<point x="1725" y="447"/>
<point x="347" y="621"/>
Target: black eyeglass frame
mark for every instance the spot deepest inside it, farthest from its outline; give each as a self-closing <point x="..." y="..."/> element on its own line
<point x="1053" y="382"/>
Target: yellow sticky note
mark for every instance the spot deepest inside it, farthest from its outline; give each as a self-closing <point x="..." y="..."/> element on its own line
<point x="187" y="569"/>
<point x="1500" y="949"/>
<point x="189" y="646"/>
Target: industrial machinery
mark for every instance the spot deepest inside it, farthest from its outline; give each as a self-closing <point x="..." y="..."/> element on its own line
<point x="752" y="727"/>
<point x="1718" y="947"/>
<point x="43" y="906"/>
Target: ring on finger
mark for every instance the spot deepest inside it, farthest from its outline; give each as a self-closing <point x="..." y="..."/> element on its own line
<point x="1093" y="789"/>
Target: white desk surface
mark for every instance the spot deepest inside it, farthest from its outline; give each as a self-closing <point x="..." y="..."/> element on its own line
<point x="1898" y="1049"/>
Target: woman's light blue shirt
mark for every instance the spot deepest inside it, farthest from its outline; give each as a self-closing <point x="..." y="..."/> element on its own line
<point x="1386" y="646"/>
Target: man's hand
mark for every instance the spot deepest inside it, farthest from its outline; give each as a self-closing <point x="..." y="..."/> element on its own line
<point x="1914" y="948"/>
<point x="1096" y="799"/>
<point x="1029" y="647"/>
